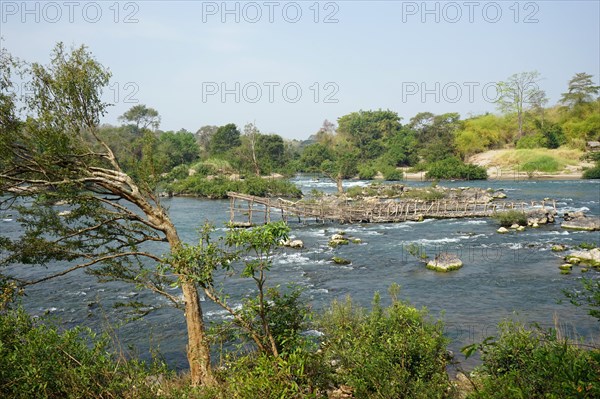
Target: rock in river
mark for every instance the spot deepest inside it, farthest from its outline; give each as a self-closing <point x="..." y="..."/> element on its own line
<point x="445" y="262"/>
<point x="582" y="223"/>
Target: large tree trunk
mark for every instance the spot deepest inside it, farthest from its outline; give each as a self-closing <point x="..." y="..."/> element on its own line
<point x="198" y="348"/>
<point x="339" y="182"/>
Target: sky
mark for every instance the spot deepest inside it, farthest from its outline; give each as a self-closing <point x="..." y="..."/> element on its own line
<point x="287" y="66"/>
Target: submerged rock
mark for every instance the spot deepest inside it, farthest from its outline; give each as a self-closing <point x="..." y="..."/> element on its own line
<point x="445" y="262"/>
<point x="588" y="257"/>
<point x="340" y="261"/>
<point x="337" y="240"/>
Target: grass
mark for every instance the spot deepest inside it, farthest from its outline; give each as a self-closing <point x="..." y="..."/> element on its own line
<point x="537" y="159"/>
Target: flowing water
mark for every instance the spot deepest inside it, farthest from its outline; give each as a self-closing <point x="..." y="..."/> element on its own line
<point x="511" y="275"/>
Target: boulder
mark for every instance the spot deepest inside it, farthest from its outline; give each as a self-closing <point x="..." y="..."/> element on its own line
<point x="521" y="228"/>
<point x="292" y="243"/>
<point x="558" y="248"/>
<point x="589" y="257"/>
<point x="573" y="215"/>
<point x="499" y="195"/>
<point x="541" y="216"/>
<point x="338" y="239"/>
<point x="502" y="230"/>
<point x="514" y="226"/>
<point x="582" y="223"/>
<point x="340" y="261"/>
<point x="445" y="262"/>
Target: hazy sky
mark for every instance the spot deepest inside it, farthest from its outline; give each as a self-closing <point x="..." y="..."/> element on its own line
<point x="289" y="65"/>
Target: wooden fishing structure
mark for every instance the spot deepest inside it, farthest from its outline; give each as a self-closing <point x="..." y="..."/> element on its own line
<point x="376" y="211"/>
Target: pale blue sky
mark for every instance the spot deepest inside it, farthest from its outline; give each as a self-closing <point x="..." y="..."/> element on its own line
<point x="178" y="56"/>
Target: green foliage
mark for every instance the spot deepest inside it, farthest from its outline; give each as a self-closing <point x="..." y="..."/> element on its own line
<point x="589" y="296"/>
<point x="454" y="168"/>
<point x="218" y="187"/>
<point x="366" y="172"/>
<point x="270" y="152"/>
<point x="482" y="133"/>
<point x="296" y="375"/>
<point x="401" y="149"/>
<point x="313" y="156"/>
<point x="366" y="129"/>
<point x="224" y="139"/>
<point x="593" y="173"/>
<point x="535" y="140"/>
<point x="391" y="173"/>
<point x="38" y="360"/>
<point x="425" y="194"/>
<point x="508" y="218"/>
<point x="543" y="163"/>
<point x="141" y="117"/>
<point x="581" y="90"/>
<point x="435" y="134"/>
<point x="534" y="364"/>
<point x="393" y="352"/>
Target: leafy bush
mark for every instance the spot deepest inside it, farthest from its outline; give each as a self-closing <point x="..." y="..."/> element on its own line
<point x="454" y="168"/>
<point x="295" y="375"/>
<point x="366" y="172"/>
<point x="508" y="218"/>
<point x="534" y="364"/>
<point x="536" y="140"/>
<point x="39" y="361"/>
<point x="543" y="163"/>
<point x="391" y="173"/>
<point x="425" y="194"/>
<point x="218" y="187"/>
<point x="394" y="352"/>
<point x="593" y="173"/>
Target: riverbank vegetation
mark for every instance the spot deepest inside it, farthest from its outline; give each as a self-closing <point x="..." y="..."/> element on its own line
<point x="382" y="352"/>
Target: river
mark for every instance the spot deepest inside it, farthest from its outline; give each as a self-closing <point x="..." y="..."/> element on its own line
<point x="511" y="275"/>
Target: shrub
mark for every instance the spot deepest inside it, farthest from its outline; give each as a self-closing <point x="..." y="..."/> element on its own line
<point x="366" y="172"/>
<point x="543" y="163"/>
<point x="534" y="364"/>
<point x="218" y="187"/>
<point x="392" y="173"/>
<point x="508" y="218"/>
<point x="39" y="361"/>
<point x="394" y="352"/>
<point x="454" y="168"/>
<point x="593" y="173"/>
<point x="536" y="140"/>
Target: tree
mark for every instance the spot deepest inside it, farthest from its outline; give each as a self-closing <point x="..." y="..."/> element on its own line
<point x="517" y="92"/>
<point x="364" y="130"/>
<point x="177" y="149"/>
<point x="225" y="138"/>
<point x="313" y="156"/>
<point x="142" y="117"/>
<point x="344" y="164"/>
<point x="75" y="202"/>
<point x="271" y="151"/>
<point x="581" y="90"/>
<point x="204" y="136"/>
<point x="435" y="134"/>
